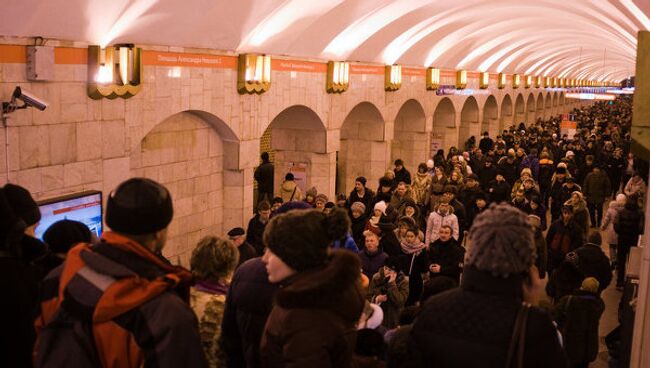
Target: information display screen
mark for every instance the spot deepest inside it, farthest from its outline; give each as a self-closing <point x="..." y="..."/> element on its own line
<point x="84" y="207"/>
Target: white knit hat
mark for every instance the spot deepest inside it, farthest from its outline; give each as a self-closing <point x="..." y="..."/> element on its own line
<point x="381" y="205"/>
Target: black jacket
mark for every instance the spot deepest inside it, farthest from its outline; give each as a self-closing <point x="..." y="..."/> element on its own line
<point x="246" y="252"/>
<point x="248" y="305"/>
<point x="449" y="255"/>
<point x="629" y="225"/>
<point x="368" y="199"/>
<point x="402" y="175"/>
<point x="578" y="316"/>
<point x="254" y="234"/>
<point x="264" y="177"/>
<point x="499" y="191"/>
<point x="592" y="262"/>
<point x="471" y="326"/>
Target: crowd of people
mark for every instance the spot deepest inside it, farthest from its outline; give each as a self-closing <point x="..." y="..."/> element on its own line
<point x="442" y="267"/>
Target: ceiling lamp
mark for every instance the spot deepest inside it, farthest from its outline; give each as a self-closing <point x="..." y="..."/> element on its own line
<point x="516" y="81"/>
<point x="253" y="73"/>
<point x="115" y="71"/>
<point x="501" y="81"/>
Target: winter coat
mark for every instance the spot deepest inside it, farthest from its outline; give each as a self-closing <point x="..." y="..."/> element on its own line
<point x="578" y="316"/>
<point x="499" y="191"/>
<point x="397" y="293"/>
<point x="629" y="225"/>
<point x="421" y="187"/>
<point x="597" y="188"/>
<point x="208" y="306"/>
<point x="449" y="255"/>
<point x="580" y="215"/>
<point x="546" y="169"/>
<point x="532" y="162"/>
<point x="436" y="221"/>
<point x="509" y="170"/>
<point x="287" y="191"/>
<point x="486" y="175"/>
<point x="254" y="233"/>
<point x="346" y="243"/>
<point x="467" y="196"/>
<point x="413" y="266"/>
<point x="560" y="240"/>
<point x="371" y="263"/>
<point x="402" y="175"/>
<point x="358" y="226"/>
<point x="249" y="303"/>
<point x="472" y="326"/>
<point x="564" y="280"/>
<point x="592" y="262"/>
<point x="542" y="253"/>
<point x="634" y="186"/>
<point x="607" y="225"/>
<point x="368" y="199"/>
<point x="246" y="252"/>
<point x="264" y="177"/>
<point x="313" y="323"/>
<point x="135" y="308"/>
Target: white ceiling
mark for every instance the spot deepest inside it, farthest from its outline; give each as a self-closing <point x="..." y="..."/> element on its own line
<point x="590" y="39"/>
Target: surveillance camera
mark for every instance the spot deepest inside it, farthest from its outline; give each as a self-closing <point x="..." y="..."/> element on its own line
<point x="29" y="99"/>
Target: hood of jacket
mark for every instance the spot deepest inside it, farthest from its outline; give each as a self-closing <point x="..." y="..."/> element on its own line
<point x="335" y="287"/>
<point x="288" y="186"/>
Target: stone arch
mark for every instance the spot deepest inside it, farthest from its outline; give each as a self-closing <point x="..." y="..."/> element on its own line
<point x="490" y="121"/>
<point x="469" y="124"/>
<point x="506" y="113"/>
<point x="530" y="109"/>
<point x="444" y="125"/>
<point x="186" y="152"/>
<point x="364" y="150"/>
<point x="410" y="138"/>
<point x="548" y="106"/>
<point x="520" y="109"/>
<point x="297" y="140"/>
<point x="539" y="112"/>
<point x="562" y="102"/>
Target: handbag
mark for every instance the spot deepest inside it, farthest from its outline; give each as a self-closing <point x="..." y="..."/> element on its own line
<point x="518" y="339"/>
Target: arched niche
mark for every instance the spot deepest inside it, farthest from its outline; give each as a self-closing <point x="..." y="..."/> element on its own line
<point x="469" y="124"/>
<point x="490" y="121"/>
<point x="444" y="133"/>
<point x="520" y="110"/>
<point x="548" y="106"/>
<point x="539" y="113"/>
<point x="297" y="141"/>
<point x="364" y="151"/>
<point x="506" y="114"/>
<point x="530" y="109"/>
<point x="410" y="138"/>
<point x="186" y="153"/>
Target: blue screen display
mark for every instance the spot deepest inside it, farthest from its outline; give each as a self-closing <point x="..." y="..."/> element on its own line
<point x="86" y="209"/>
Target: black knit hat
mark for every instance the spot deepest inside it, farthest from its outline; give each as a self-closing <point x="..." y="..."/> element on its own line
<point x="139" y="206"/>
<point x="22" y="203"/>
<point x="62" y="235"/>
<point x="301" y="238"/>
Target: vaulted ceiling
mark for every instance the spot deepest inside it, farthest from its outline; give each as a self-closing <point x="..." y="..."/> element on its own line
<point x="584" y="39"/>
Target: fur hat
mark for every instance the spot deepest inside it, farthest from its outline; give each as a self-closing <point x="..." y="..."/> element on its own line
<point x="501" y="241"/>
<point x="321" y="198"/>
<point x="62" y="235"/>
<point x="358" y="206"/>
<point x="301" y="238"/>
<point x="312" y="192"/>
<point x="22" y="204"/>
<point x="381" y="205"/>
<point x="535" y="221"/>
<point x="139" y="206"/>
<point x="526" y="171"/>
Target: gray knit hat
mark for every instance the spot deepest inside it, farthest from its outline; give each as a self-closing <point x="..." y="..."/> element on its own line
<point x="502" y="241"/>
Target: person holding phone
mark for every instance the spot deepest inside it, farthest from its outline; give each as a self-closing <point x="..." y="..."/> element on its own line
<point x="389" y="288"/>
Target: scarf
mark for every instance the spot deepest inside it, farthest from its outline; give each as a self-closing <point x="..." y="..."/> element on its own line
<point x="412" y="248"/>
<point x="212" y="287"/>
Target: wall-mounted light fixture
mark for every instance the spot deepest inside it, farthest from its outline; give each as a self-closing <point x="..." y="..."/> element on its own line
<point x="528" y="81"/>
<point x="433" y="79"/>
<point x="393" y="77"/>
<point x="484" y="80"/>
<point x="538" y="81"/>
<point x="253" y="73"/>
<point x="461" y="79"/>
<point x="547" y="82"/>
<point x="115" y="71"/>
<point x="516" y="81"/>
<point x="338" y="76"/>
<point x="501" y="82"/>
